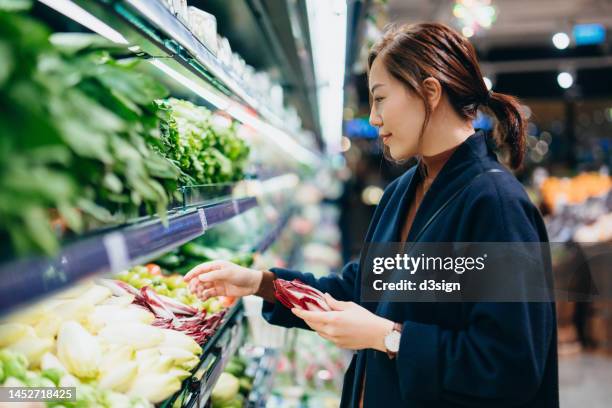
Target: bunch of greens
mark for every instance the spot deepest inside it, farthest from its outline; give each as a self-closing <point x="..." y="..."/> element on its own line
<point x="89" y="140"/>
<point x="80" y="140"/>
<point x="205" y="150"/>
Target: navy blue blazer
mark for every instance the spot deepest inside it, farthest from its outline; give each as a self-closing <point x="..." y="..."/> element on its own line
<point x="451" y="354"/>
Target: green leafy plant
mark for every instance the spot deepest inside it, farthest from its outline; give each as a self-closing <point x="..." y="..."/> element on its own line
<point x="78" y="139"/>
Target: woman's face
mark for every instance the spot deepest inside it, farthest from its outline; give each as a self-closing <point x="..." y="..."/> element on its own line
<point x="396" y="112"/>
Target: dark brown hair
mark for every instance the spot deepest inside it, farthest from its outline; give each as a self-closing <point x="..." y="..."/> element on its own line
<point x="412" y="53"/>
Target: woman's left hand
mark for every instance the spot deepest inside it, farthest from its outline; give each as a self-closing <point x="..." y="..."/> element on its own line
<point x="348" y="325"/>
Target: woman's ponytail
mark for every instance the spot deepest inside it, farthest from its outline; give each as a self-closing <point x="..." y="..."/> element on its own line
<point x="511" y="125"/>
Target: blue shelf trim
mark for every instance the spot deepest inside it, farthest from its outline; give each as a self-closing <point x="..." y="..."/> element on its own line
<point x="25" y="280"/>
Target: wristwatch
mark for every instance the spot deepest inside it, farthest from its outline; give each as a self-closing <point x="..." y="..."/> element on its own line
<point x="392" y="340"/>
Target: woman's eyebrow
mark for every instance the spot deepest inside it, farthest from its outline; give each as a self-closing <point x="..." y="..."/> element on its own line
<point x="375" y="86"/>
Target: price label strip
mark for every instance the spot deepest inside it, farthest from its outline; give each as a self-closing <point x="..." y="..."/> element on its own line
<point x="116" y="251"/>
<point x="203" y="219"/>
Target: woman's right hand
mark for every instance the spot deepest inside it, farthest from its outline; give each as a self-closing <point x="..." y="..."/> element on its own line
<point x="223" y="278"/>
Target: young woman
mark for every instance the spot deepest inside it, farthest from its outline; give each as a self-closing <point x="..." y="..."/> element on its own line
<point x="426" y="87"/>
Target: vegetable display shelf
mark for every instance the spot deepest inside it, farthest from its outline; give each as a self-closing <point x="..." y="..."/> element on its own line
<point x="27" y="279"/>
<point x="263" y="379"/>
<point x="217" y="351"/>
<point x="154" y="33"/>
<point x="274" y="233"/>
<point x="206" y="194"/>
<point x="224" y="344"/>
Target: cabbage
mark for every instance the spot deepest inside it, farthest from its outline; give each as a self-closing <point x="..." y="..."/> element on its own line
<point x="14" y="364"/>
<point x="183" y="359"/>
<point x="78" y="350"/>
<point x="12" y="332"/>
<point x="105" y="315"/>
<point x="154" y="386"/>
<point x="226" y="389"/>
<point x="136" y="335"/>
<point x="32" y="348"/>
<point x="114" y="356"/>
<point x="120" y="377"/>
<point x="174" y="338"/>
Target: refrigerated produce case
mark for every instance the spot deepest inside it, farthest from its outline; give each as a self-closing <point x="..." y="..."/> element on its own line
<point x="219" y="212"/>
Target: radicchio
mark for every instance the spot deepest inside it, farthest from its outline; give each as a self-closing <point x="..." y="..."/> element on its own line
<point x="118" y="288"/>
<point x="199" y="327"/>
<point x="295" y="293"/>
<point x="172" y="314"/>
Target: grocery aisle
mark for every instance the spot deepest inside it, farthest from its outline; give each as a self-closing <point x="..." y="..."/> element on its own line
<point x="142" y="145"/>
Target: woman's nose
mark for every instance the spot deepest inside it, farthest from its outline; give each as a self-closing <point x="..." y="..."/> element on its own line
<point x="375" y="119"/>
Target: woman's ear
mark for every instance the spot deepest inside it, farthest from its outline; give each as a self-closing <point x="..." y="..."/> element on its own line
<point x="433" y="91"/>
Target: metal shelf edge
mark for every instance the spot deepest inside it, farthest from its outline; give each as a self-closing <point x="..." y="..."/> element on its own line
<point x="30" y="278"/>
<point x="162" y="19"/>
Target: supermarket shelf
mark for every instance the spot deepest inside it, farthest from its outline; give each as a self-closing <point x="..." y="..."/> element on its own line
<point x="155" y="34"/>
<point x="208" y="194"/>
<point x="263" y="379"/>
<point x="225" y="343"/>
<point x="273" y="234"/>
<point x="154" y="14"/>
<point x="26" y="279"/>
<point x="215" y="355"/>
<point x="233" y="338"/>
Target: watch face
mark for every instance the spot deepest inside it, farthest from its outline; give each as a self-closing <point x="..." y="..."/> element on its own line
<point x="392" y="341"/>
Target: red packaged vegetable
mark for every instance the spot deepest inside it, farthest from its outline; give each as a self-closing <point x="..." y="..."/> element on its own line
<point x="295" y="293"/>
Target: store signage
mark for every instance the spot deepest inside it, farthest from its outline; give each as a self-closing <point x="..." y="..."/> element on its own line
<point x="360" y="128"/>
<point x="589" y="34"/>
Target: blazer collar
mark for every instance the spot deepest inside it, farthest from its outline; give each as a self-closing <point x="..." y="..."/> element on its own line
<point x="458" y="170"/>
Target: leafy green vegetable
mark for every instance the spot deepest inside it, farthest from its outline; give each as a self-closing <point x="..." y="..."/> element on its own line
<point x="205" y="151"/>
<point x="53" y="374"/>
<point x="76" y="129"/>
<point x="87" y="140"/>
<point x="14" y="364"/>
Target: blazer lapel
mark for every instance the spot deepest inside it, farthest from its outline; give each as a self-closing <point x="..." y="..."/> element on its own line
<point x="459" y="169"/>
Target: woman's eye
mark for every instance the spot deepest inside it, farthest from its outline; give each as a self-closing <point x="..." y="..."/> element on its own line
<point x="379" y="98"/>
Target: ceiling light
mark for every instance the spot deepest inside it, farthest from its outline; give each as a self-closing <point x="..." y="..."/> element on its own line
<point x="565" y="80"/>
<point x="561" y="41"/>
<point x="346" y="144"/>
<point x="327" y="26"/>
<point x="371" y="195"/>
<point x="467" y="32"/>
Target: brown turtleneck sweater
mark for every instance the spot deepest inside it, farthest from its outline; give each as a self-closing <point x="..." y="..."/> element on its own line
<point x="430" y="168"/>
